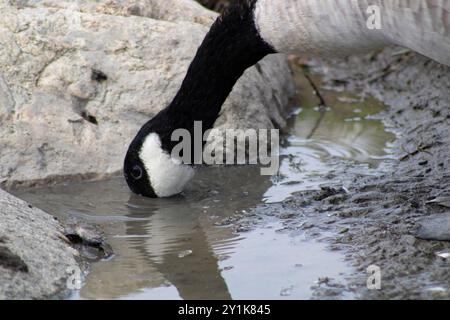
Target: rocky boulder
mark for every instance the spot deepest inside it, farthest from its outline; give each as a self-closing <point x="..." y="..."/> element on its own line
<point x="36" y="260"/>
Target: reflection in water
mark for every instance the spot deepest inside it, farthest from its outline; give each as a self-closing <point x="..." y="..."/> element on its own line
<point x="159" y="243"/>
<point x="322" y="142"/>
<point x="269" y="264"/>
<point x="172" y="248"/>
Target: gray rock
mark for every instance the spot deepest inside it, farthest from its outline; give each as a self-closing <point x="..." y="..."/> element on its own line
<point x="435" y="227"/>
<point x="79" y="78"/>
<point x="168" y="10"/>
<point x="34" y="257"/>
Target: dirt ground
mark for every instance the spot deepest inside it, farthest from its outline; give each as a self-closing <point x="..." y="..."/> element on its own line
<point x="381" y="220"/>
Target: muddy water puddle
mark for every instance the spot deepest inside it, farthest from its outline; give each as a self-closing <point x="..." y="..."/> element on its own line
<point x="177" y="249"/>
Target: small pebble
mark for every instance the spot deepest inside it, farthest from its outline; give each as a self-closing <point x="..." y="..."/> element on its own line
<point x="443" y="254"/>
<point x="286" y="292"/>
<point x="184" y="253"/>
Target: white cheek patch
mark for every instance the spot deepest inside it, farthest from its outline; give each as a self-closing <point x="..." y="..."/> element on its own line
<point x="167" y="176"/>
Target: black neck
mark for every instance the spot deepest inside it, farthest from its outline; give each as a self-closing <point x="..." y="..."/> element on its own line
<point x="232" y="45"/>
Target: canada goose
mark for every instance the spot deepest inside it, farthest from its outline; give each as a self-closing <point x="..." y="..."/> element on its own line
<point x="247" y="32"/>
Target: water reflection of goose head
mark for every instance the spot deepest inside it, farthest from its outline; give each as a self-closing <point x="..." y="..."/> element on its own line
<point x="181" y="234"/>
<point x="166" y="247"/>
<point x="178" y="247"/>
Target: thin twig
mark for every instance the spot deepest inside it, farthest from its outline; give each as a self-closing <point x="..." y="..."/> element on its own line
<point x="421" y="148"/>
<point x="317" y="91"/>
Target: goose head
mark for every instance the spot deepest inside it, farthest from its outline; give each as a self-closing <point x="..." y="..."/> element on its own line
<point x="151" y="172"/>
<point x="230" y="47"/>
<point x="149" y="168"/>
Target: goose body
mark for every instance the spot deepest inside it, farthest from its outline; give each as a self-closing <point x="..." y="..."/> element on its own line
<point x="336" y="27"/>
<point x="247" y="32"/>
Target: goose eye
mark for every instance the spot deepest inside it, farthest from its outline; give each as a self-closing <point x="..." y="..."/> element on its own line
<point x="136" y="172"/>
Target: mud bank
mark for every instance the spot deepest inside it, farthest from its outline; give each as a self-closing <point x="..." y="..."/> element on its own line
<point x="381" y="220"/>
